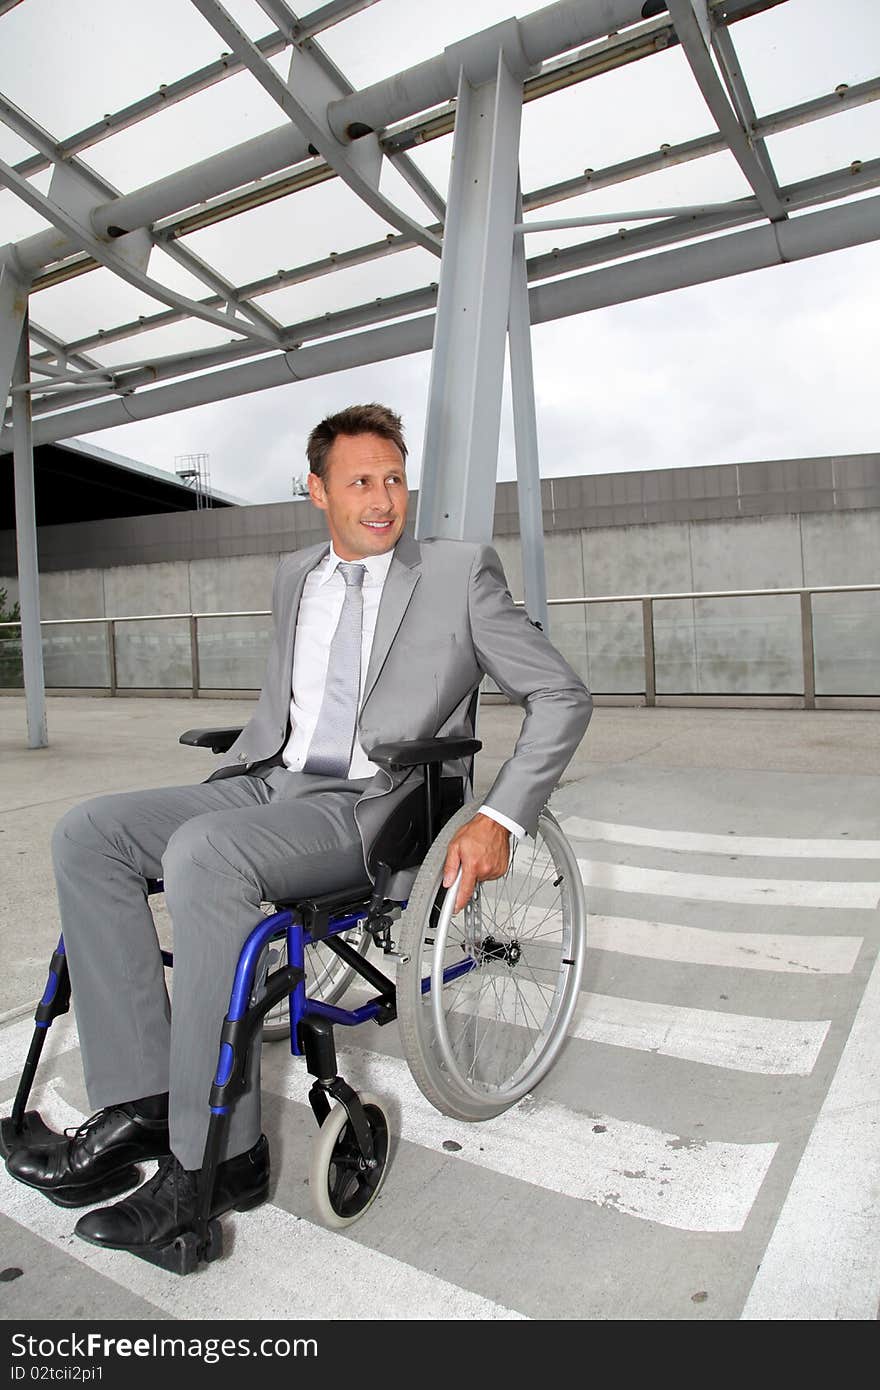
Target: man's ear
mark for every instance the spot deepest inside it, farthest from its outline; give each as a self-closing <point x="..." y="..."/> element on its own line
<point x="317" y="492"/>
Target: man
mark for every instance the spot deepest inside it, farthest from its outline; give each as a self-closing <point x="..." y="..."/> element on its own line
<point x="376" y="638"/>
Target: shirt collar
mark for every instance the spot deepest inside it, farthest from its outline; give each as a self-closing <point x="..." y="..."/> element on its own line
<point x="377" y="566"/>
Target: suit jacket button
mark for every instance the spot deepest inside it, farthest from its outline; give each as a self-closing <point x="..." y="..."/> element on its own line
<point x="242" y="757"/>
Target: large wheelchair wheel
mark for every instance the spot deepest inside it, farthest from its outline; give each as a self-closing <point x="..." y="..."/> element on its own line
<point x="485" y="996"/>
<point x="328" y="976"/>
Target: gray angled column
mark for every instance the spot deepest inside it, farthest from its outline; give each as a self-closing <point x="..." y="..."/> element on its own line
<point x="26" y="545"/>
<point x="525" y="431"/>
<point x="457" y="487"/>
<point x="13" y="310"/>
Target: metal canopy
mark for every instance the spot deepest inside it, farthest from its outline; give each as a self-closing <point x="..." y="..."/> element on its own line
<point x="475" y="258"/>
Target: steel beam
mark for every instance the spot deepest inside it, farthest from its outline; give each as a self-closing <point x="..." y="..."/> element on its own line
<point x="457" y="486"/>
<point x="264" y="154"/>
<point x="857" y="179"/>
<point x="125" y="380"/>
<point x="26" y="549"/>
<point x="13" y="313"/>
<point x="224" y="289"/>
<point x="525" y="432"/>
<point x="58" y="350"/>
<point x="632" y="242"/>
<point x="378" y="345"/>
<point x="536" y="37"/>
<point x="130" y="376"/>
<point x="315" y="21"/>
<point x="170" y="93"/>
<point x="114" y="258"/>
<point x="357" y="163"/>
<point x="741" y="98"/>
<point x="281" y="14"/>
<point x="814" y="234"/>
<point x="266" y="190"/>
<point x="599" y="219"/>
<point x="542" y="34"/>
<point x="687" y="16"/>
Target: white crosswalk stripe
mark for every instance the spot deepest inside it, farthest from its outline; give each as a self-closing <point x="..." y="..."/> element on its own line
<point x="740" y="1042"/>
<point x="759" y="892"/>
<point x="15" y="1039"/>
<point x="790" y="954"/>
<point x="823" y="1259"/>
<point x="694" y="842"/>
<point x="694" y="1185"/>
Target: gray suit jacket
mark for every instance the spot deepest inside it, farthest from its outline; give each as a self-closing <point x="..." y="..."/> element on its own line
<point x="446" y="618"/>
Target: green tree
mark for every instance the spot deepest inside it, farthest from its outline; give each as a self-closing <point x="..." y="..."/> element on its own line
<point x="10" y="645"/>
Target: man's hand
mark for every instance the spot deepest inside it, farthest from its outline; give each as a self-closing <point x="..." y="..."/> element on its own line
<point x="481" y="849"/>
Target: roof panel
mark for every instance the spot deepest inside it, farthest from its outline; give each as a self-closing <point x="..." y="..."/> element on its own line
<point x="806" y="151"/>
<point x="392" y="35"/>
<point x="355" y="285"/>
<point x="92" y="59"/>
<point x="796" y="51"/>
<point x="303" y="227"/>
<point x="206" y="123"/>
<point x="615" y="116"/>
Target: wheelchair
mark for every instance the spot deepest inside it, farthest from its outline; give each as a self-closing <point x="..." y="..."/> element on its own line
<point x="483" y="998"/>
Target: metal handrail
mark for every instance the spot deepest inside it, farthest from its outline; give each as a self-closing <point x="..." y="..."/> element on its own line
<point x="805" y="594"/>
<point x="147" y="617"/>
<point x="552" y="602"/>
<point x="721" y="593"/>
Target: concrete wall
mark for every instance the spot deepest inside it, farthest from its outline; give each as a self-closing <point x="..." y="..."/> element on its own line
<point x="790" y="487"/>
<point x="702" y="646"/>
<point x="718" y="646"/>
<point x="727" y="528"/>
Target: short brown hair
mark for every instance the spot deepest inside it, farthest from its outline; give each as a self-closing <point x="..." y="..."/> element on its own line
<point x="355" y="419"/>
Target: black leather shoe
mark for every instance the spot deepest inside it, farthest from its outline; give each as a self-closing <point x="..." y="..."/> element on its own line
<point x="166" y="1206"/>
<point x="96" y="1162"/>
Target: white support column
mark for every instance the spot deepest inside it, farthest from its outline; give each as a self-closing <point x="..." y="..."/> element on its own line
<point x="26" y="545"/>
<point x="457" y="488"/>
<point x="13" y="308"/>
<point x="525" y="430"/>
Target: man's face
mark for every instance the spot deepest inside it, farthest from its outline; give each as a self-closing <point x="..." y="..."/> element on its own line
<point x="364" y="494"/>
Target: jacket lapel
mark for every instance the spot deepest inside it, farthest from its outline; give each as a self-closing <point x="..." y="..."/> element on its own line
<point x="403" y="576"/>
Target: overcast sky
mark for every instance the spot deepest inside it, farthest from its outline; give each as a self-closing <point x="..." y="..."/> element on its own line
<point x="779" y="363"/>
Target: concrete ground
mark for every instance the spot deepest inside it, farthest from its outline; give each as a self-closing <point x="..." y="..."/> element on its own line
<point x="707" y="1146"/>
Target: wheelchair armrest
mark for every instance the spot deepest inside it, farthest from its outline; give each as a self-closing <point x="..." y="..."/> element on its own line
<point x="218" y="740"/>
<point x="416" y="752"/>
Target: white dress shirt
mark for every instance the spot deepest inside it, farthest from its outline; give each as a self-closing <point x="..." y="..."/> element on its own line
<point x="320" y="606"/>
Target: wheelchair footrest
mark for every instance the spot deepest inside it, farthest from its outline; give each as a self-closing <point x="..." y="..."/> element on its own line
<point x="186" y="1252"/>
<point x="32" y="1133"/>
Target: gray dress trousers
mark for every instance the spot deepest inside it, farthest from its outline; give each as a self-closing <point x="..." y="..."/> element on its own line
<point x="222" y="848"/>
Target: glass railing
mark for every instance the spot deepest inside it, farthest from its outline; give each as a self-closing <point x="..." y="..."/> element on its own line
<point x="795" y="644"/>
<point x="792" y="644"/>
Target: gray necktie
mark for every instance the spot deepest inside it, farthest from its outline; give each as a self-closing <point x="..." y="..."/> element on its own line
<point x="331" y="745"/>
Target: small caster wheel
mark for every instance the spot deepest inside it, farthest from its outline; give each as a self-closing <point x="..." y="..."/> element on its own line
<point x="341" y="1184"/>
